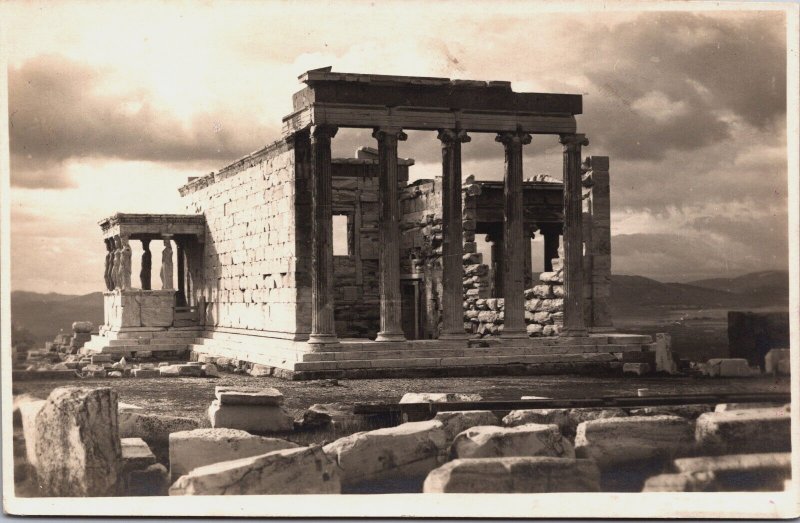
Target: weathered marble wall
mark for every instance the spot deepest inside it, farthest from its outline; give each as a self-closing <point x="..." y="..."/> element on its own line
<point x="357" y="298"/>
<point x="254" y="275"/>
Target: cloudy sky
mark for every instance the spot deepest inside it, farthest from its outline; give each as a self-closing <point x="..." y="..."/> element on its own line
<point x="113" y="105"/>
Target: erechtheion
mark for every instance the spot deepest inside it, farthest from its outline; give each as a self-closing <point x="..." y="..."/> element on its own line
<point x="257" y="278"/>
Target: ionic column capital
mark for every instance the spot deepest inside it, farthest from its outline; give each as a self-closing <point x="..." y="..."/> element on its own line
<point x="510" y="138"/>
<point x="573" y="142"/>
<point x="451" y="136"/>
<point x="323" y="132"/>
<point x="389" y="133"/>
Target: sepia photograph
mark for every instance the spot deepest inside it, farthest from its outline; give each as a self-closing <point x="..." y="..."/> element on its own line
<point x="400" y="259"/>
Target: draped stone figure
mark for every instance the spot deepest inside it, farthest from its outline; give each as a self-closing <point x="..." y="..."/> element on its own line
<point x="125" y="269"/>
<point x="166" y="265"/>
<point x="147" y="264"/>
<point x="109" y="264"/>
<point x="115" y="268"/>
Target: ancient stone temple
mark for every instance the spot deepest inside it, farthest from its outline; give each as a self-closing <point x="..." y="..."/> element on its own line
<point x="404" y="291"/>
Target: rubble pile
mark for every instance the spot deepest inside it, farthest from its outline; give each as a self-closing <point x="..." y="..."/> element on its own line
<point x="124" y="450"/>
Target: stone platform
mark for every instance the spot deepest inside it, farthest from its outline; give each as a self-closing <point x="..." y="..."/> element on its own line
<point x="356" y="358"/>
<point x="167" y="342"/>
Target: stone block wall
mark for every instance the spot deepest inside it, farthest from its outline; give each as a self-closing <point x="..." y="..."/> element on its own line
<point x="421" y="246"/>
<point x="357" y="287"/>
<point x="256" y="253"/>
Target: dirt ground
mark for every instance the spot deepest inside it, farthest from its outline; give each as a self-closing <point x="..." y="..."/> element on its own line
<point x="191" y="396"/>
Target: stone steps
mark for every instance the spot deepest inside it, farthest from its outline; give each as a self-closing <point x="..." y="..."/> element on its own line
<point x="454" y="361"/>
<point x="467" y="352"/>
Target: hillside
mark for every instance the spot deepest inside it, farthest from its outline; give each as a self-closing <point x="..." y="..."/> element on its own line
<point x="758" y="284"/>
<point x="44" y="315"/>
<point x="633" y="292"/>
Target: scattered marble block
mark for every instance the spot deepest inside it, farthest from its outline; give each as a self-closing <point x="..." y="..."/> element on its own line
<point x="684" y="411"/>
<point x="681" y="482"/>
<point x="773" y="359"/>
<point x="248" y="396"/>
<point x="252" y="418"/>
<point x="744" y="431"/>
<point x="728" y="368"/>
<point x="28" y="411"/>
<point x="77" y="443"/>
<point x="742" y="472"/>
<point x="638" y="369"/>
<point x="191" y="449"/>
<point x="101" y="358"/>
<point x="181" y="370"/>
<point x="617" y="441"/>
<point x="303" y="470"/>
<point x="438" y="397"/>
<point x="457" y="422"/>
<point x="725" y="407"/>
<point x="146" y="373"/>
<point x="153" y="428"/>
<point x="210" y="370"/>
<point x="514" y="475"/>
<point x="136" y="454"/>
<point x="502" y="442"/>
<point x="407" y="451"/>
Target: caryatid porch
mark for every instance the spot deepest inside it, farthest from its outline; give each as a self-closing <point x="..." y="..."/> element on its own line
<point x="135" y="305"/>
<point x="391" y="104"/>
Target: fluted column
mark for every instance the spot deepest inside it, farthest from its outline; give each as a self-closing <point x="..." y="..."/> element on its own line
<point x="514" y="238"/>
<point x="391" y="310"/>
<point x="452" y="237"/>
<point x="574" y="322"/>
<point x="323" y="327"/>
<point x="528" y="235"/>
<point x="147" y="266"/>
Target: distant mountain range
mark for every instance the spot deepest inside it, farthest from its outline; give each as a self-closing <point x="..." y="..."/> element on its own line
<point x="46" y="314"/>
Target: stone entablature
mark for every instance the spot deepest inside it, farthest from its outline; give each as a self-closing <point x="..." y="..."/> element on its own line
<point x="138" y="226"/>
<point x="426" y="103"/>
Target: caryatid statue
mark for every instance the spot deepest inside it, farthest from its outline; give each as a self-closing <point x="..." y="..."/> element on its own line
<point x="125" y="269"/>
<point x="116" y="277"/>
<point x="147" y="264"/>
<point x="109" y="264"/>
<point x="166" y="265"/>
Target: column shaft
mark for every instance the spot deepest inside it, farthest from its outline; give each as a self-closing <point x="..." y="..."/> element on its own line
<point x="574" y="322"/>
<point x="513" y="236"/>
<point x="323" y="327"/>
<point x="391" y="327"/>
<point x="452" y="236"/>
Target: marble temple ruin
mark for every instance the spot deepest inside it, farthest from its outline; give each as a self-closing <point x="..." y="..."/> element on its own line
<point x="257" y="278"/>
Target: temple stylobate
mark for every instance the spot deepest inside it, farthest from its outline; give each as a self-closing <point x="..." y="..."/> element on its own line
<point x="315" y="266"/>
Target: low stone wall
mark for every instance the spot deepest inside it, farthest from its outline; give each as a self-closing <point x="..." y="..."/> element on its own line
<point x="544" y="310"/>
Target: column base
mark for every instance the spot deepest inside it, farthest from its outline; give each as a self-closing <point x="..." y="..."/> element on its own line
<point x="390" y="336"/>
<point x="601" y="329"/>
<point x="322" y="339"/>
<point x="514" y="334"/>
<point x="574" y="333"/>
<point x="453" y="336"/>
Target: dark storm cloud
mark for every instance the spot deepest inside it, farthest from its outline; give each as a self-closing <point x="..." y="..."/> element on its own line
<point x="58" y="110"/>
<point x="701" y="70"/>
